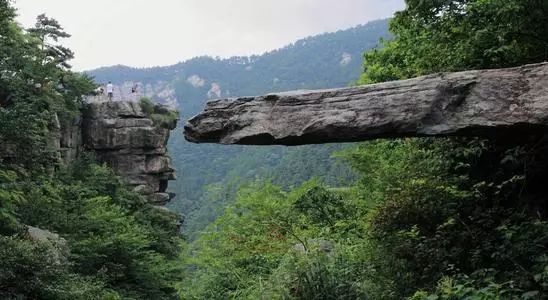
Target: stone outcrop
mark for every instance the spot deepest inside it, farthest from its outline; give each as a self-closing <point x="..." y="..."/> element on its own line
<point x="41" y="235"/>
<point x="70" y="140"/>
<point x="125" y="138"/>
<point x="475" y="103"/>
<point x="58" y="249"/>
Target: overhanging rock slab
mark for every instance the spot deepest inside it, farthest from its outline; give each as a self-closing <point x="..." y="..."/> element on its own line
<point x="476" y="103"/>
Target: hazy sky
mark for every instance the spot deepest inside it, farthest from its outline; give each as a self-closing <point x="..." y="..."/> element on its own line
<point x="162" y="32"/>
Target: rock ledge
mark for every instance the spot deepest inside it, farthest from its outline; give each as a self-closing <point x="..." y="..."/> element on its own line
<point x="487" y="103"/>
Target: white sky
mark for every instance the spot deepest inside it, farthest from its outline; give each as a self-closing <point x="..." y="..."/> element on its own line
<point x="144" y="33"/>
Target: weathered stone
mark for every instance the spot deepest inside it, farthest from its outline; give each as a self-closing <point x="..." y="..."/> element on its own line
<point x="123" y="123"/>
<point x="316" y="244"/>
<point x="59" y="249"/>
<point x="143" y="190"/>
<point x="128" y="141"/>
<point x="41" y="235"/>
<point x="99" y="137"/>
<point x="124" y="163"/>
<point x="114" y="109"/>
<point x="160" y="198"/>
<point x="158" y="164"/>
<point x="152" y="181"/>
<point x="70" y="140"/>
<point x="475" y="103"/>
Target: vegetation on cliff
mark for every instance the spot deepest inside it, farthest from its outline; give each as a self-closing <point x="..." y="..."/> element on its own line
<point x="99" y="239"/>
<point x="161" y="115"/>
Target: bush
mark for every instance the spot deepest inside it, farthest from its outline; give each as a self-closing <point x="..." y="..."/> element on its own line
<point x="34" y="270"/>
<point x="108" y="230"/>
<point x="161" y="115"/>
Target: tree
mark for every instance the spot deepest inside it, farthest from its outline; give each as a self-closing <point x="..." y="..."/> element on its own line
<point x="36" y="89"/>
<point x="428" y="227"/>
<point x="46" y="30"/>
<point x="443" y="36"/>
<point x="119" y="246"/>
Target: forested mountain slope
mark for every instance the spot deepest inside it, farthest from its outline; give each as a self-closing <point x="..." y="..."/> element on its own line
<point x="429" y="218"/>
<point x="209" y="173"/>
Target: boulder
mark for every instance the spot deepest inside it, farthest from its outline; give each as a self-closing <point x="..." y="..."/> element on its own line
<point x="58" y="246"/>
<point x="160" y="198"/>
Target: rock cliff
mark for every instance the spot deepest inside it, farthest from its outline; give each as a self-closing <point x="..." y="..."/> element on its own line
<point x="127" y="139"/>
<point x="475" y="103"/>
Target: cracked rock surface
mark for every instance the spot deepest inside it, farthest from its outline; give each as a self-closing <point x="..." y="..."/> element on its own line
<point x="483" y="103"/>
<point x="126" y="139"/>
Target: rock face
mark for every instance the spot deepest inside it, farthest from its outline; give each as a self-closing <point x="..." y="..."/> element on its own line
<point x="475" y="103"/>
<point x="126" y="139"/>
<point x="70" y="140"/>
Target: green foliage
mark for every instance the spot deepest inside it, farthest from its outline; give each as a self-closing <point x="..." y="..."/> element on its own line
<point x="112" y="244"/>
<point x="37" y="88"/>
<point x="272" y="244"/>
<point x="162" y="116"/>
<point x="147" y="105"/>
<point x="450" y="216"/>
<point x="108" y="230"/>
<point x="449" y="289"/>
<point x="428" y="219"/>
<point x="9" y="198"/>
<point x="414" y="218"/>
<point x="443" y="36"/>
<point x="32" y="270"/>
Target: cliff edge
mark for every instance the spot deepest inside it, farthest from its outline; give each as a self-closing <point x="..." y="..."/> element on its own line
<point x="505" y="102"/>
<point x="127" y="139"/>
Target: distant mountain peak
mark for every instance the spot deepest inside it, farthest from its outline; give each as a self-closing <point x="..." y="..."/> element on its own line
<point x="325" y="60"/>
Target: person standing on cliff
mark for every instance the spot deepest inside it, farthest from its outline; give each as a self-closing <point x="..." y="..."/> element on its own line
<point x="110" y="91"/>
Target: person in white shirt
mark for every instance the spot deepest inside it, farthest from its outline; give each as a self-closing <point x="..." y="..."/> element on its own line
<point x="110" y="90"/>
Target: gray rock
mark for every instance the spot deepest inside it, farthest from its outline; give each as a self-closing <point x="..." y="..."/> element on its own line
<point x="322" y="245"/>
<point x="41" y="235"/>
<point x="58" y="246"/>
<point x="160" y="198"/>
<point x="158" y="164"/>
<point x="114" y="109"/>
<point x="128" y="141"/>
<point x="147" y="137"/>
<point x="70" y="140"/>
<point x="143" y="189"/>
<point x="475" y="103"/>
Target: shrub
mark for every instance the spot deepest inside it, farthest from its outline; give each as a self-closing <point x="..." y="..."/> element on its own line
<point x="147" y="105"/>
<point x="161" y="116"/>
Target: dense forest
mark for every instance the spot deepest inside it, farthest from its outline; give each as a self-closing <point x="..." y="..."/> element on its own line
<point x="420" y="218"/>
<point x="210" y="174"/>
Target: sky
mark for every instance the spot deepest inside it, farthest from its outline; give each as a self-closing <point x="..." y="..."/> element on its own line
<point x="145" y="33"/>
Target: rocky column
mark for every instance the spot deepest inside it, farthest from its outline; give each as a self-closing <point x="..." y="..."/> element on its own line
<point x="125" y="138"/>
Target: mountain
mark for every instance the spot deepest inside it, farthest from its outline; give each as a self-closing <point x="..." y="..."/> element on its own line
<point x="209" y="174"/>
